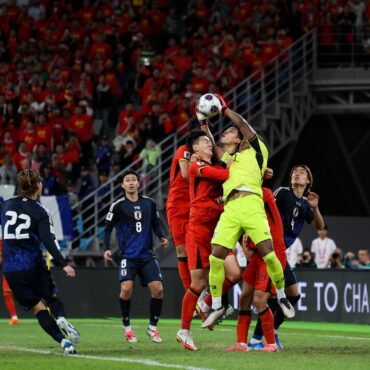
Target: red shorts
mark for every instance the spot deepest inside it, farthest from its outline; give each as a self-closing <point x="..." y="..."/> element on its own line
<point x="198" y="245"/>
<point x="256" y="275"/>
<point x="178" y="218"/>
<point x="6" y="286"/>
<point x="256" y="272"/>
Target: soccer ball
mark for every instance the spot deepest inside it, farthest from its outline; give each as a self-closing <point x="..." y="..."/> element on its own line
<point x="209" y="105"/>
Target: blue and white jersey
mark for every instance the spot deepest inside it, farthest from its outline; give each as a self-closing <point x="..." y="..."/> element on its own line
<point x="293" y="211"/>
<point x="134" y="223"/>
<point x="25" y="224"/>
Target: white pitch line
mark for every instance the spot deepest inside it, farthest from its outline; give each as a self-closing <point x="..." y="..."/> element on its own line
<point x="105" y="358"/>
<point x="329" y="336"/>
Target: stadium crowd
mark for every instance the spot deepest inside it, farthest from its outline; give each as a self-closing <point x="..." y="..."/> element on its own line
<point x="78" y="75"/>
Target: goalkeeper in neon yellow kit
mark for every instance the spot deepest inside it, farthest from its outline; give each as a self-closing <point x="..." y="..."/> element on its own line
<point x="244" y="212"/>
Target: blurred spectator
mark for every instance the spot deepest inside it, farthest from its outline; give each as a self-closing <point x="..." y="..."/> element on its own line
<point x="103" y="103"/>
<point x="307" y="260"/>
<point x="8" y="172"/>
<point x="336" y="259"/>
<point x="104" y="156"/>
<point x="294" y="252"/>
<point x="127" y="154"/>
<point x="43" y="155"/>
<point x="73" y="200"/>
<point x="103" y="197"/>
<point x="81" y="125"/>
<point x="86" y="187"/>
<point x="350" y="261"/>
<point x="322" y="248"/>
<point x="49" y="181"/>
<point x="364" y="259"/>
<point x="149" y="156"/>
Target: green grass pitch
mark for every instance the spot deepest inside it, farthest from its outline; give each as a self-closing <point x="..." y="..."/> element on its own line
<point x="307" y="346"/>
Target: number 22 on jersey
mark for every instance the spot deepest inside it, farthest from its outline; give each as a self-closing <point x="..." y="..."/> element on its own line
<point x="23" y="221"/>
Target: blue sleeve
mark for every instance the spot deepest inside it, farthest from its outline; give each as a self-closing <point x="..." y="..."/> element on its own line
<point x="309" y="214"/>
<point x="156" y="222"/>
<point x="46" y="234"/>
<point x="110" y="222"/>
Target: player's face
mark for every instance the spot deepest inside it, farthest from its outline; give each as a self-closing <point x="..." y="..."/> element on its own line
<point x="322" y="233"/>
<point x="203" y="147"/>
<point x="230" y="136"/>
<point x="130" y="184"/>
<point x="300" y="177"/>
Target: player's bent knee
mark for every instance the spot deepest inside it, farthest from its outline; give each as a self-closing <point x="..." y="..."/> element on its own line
<point x="156" y="289"/>
<point x="40" y="306"/>
<point x="219" y="251"/>
<point x="181" y="250"/>
<point x="260" y="301"/>
<point x="126" y="291"/>
<point x="265" y="247"/>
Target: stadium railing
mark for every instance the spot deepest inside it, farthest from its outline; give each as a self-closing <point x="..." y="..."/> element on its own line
<point x="275" y="99"/>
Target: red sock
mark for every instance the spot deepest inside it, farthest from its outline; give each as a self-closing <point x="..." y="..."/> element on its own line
<point x="244" y="320"/>
<point x="9" y="303"/>
<point x="225" y="288"/>
<point x="184" y="272"/>
<point x="188" y="306"/>
<point x="267" y="322"/>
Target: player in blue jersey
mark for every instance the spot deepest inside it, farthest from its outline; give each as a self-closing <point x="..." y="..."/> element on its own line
<point x="25" y="224"/>
<point x="135" y="217"/>
<point x="297" y="204"/>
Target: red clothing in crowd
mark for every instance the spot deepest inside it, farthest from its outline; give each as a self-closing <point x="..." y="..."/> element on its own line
<point x="82" y="126"/>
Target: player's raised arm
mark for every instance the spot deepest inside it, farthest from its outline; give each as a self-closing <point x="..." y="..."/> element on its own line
<point x="204" y="126"/>
<point x="209" y="172"/>
<point x="318" y="220"/>
<point x="245" y="128"/>
<point x="184" y="169"/>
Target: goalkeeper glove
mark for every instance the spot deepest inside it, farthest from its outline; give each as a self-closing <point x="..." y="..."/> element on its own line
<point x="222" y="103"/>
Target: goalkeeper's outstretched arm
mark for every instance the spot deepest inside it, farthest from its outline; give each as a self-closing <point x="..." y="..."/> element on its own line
<point x="245" y="128"/>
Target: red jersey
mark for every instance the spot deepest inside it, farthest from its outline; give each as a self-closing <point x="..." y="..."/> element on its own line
<point x="178" y="193"/>
<point x="82" y="126"/>
<point x="205" y="186"/>
<point x="275" y="223"/>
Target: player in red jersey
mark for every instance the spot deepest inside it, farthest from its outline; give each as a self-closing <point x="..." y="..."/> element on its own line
<point x="257" y="285"/>
<point x="205" y="183"/>
<point x="177" y="209"/>
<point x="8" y="297"/>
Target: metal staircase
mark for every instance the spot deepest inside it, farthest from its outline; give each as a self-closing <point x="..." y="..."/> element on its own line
<point x="277" y="101"/>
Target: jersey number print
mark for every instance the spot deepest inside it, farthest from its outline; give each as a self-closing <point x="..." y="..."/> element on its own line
<point x="24" y="222"/>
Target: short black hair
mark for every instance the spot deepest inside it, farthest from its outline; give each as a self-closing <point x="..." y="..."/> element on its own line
<point x="193" y="138"/>
<point x="130" y="172"/>
<point x="240" y="135"/>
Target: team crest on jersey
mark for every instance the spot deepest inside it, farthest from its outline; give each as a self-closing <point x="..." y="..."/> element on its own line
<point x="138" y="215"/>
<point x="187" y="155"/>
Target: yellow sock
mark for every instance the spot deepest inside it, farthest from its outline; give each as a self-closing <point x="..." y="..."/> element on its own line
<point x="216" y="280"/>
<point x="275" y="270"/>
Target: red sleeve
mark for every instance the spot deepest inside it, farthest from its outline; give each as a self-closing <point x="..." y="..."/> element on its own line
<point x="204" y="170"/>
<point x="183" y="154"/>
